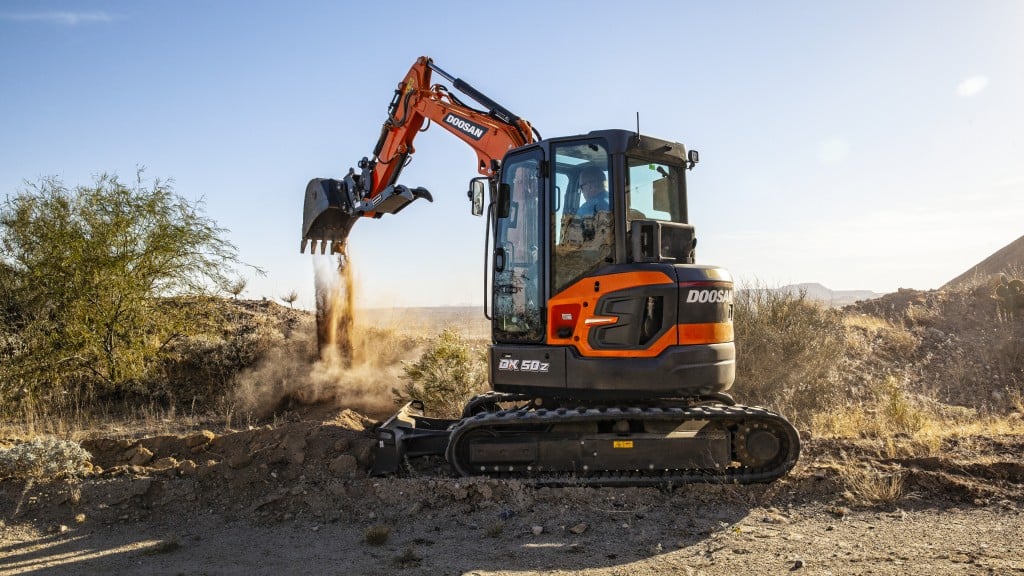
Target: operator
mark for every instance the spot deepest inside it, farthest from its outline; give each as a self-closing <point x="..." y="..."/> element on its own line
<point x="595" y="192"/>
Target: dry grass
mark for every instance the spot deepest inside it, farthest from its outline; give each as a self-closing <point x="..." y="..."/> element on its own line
<point x="868" y="485"/>
<point x="867" y="322"/>
<point x="867" y="333"/>
<point x="917" y="315"/>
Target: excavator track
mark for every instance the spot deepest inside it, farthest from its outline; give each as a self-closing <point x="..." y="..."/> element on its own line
<point x="626" y="446"/>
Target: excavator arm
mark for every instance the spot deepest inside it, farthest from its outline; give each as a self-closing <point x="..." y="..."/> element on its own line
<point x="333" y="206"/>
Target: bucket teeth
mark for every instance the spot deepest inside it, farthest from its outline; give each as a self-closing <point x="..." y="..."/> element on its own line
<point x="302" y="249"/>
<point x="323" y="246"/>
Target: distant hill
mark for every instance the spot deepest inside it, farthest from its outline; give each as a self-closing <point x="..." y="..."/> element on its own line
<point x="828" y="296"/>
<point x="1009" y="258"/>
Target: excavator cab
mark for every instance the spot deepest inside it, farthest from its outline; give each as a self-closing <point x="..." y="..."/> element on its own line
<point x="596" y="289"/>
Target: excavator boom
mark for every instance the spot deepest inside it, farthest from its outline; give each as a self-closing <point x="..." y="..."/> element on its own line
<point x="333" y="206"/>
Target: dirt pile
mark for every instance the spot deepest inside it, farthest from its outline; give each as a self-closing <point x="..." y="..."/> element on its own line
<point x="317" y="470"/>
<point x="959" y="347"/>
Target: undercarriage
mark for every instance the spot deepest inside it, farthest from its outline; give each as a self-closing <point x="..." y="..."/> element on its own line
<point x="660" y="443"/>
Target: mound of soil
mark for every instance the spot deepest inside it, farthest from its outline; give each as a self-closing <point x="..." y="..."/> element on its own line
<point x="959" y="347"/>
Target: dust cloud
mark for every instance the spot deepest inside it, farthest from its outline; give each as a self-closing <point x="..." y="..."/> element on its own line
<point x="330" y="360"/>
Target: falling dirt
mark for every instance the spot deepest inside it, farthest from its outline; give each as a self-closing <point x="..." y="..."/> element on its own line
<point x="335" y="310"/>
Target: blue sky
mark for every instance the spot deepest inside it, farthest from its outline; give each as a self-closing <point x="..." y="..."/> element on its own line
<point x="864" y="145"/>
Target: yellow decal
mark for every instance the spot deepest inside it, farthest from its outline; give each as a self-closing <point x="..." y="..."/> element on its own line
<point x="622" y="444"/>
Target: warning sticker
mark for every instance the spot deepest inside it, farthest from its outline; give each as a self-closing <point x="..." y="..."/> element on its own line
<point x="622" y="444"/>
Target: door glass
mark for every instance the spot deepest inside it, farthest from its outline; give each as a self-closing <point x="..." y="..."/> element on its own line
<point x="518" y="301"/>
<point x="582" y="213"/>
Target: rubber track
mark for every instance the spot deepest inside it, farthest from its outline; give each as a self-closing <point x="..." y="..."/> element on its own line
<point x="728" y="415"/>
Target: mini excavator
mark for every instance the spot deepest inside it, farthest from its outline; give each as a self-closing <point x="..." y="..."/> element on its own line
<point x="612" y="350"/>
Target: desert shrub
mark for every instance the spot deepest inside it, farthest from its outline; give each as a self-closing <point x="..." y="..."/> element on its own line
<point x="866" y="485"/>
<point x="85" y="277"/>
<point x="447" y="373"/>
<point x="788" y="351"/>
<point x="1009" y="292"/>
<point x="43" y="458"/>
<point x="898" y="414"/>
<point x="920" y="315"/>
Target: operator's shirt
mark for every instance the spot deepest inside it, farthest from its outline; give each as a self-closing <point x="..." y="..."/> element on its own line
<point x="592" y="207"/>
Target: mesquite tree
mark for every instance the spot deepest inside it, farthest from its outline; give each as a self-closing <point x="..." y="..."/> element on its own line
<point x="93" y="280"/>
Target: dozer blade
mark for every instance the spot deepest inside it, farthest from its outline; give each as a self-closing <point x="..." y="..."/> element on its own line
<point x="327" y="215"/>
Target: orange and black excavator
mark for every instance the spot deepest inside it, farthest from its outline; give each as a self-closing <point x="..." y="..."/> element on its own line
<point x="612" y="350"/>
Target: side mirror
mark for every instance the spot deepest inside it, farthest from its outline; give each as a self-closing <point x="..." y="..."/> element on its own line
<point x="476" y="196"/>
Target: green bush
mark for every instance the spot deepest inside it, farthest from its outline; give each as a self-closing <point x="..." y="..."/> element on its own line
<point x="447" y="374"/>
<point x="86" y="280"/>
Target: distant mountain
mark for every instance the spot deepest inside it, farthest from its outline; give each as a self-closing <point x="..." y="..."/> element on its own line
<point x="816" y="291"/>
<point x="1009" y="259"/>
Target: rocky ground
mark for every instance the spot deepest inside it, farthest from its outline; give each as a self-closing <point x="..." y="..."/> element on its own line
<point x="295" y="497"/>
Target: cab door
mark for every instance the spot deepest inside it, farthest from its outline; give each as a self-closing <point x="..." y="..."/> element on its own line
<point x="518" y="297"/>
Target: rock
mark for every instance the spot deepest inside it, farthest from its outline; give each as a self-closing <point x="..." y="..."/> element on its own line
<point x="199" y="439"/>
<point x="797" y="564"/>
<point x="485" y="491"/>
<point x="579" y="528"/>
<point x="342" y="445"/>
<point x="363" y="451"/>
<point x="537" y="530"/>
<point x="838" y="511"/>
<point x="140" y="456"/>
<point x="207" y="469"/>
<point x="164" y="463"/>
<point x="344" y="465"/>
<point x="187" y="467"/>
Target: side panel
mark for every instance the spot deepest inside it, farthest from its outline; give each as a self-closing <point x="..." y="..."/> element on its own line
<point x="527" y="369"/>
<point x="628" y="312"/>
<point x="639" y="331"/>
